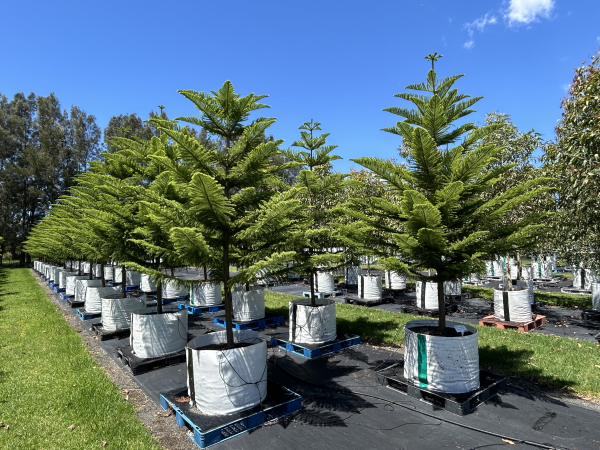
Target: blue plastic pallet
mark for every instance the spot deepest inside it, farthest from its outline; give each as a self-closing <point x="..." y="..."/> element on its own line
<point x="59" y="290"/>
<point x="65" y="296"/>
<point x="347" y="341"/>
<point x="83" y="315"/>
<point x="211" y="430"/>
<point x="198" y="310"/>
<point x="253" y="324"/>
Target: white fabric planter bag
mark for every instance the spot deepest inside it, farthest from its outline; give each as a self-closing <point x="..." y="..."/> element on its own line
<point x="48" y="272"/>
<point x="227" y="381"/>
<point x="542" y="269"/>
<point x="94" y="294"/>
<point x="109" y="273"/>
<point x="56" y="273"/>
<point x="596" y="296"/>
<point x="394" y="280"/>
<point x="85" y="267"/>
<point x="248" y="305"/>
<point x="529" y="285"/>
<point x="443" y="364"/>
<point x="525" y="272"/>
<point x="157" y="335"/>
<point x="174" y="289"/>
<point x="312" y="325"/>
<point x="116" y="311"/>
<point x="427" y="298"/>
<point x="62" y="278"/>
<point x="72" y="282"/>
<point x="352" y="274"/>
<point x="324" y="282"/>
<point x="147" y="284"/>
<point x="473" y="278"/>
<point x="206" y="294"/>
<point x="132" y="278"/>
<point x="97" y="270"/>
<point x="516" y="308"/>
<point x="452" y="288"/>
<point x="494" y="268"/>
<point x="81" y="288"/>
<point x="587" y="275"/>
<point x="369" y="287"/>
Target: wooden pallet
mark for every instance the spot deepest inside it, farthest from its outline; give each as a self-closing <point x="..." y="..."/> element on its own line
<point x="536" y="322"/>
<point x="489" y="386"/>
<point x="205" y="430"/>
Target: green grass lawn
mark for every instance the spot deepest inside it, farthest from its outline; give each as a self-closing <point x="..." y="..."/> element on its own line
<point x="554" y="361"/>
<point x="49" y="381"/>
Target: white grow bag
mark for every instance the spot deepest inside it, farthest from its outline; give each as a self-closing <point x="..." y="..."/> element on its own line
<point x="174" y="289"/>
<point x="48" y="272"/>
<point x="156" y="335"/>
<point x="147" y="283"/>
<point x="227" y="381"/>
<point x="56" y="274"/>
<point x="588" y="276"/>
<point x="94" y="294"/>
<point x="81" y="288"/>
<point x="525" y="272"/>
<point x="529" y="285"/>
<point x="248" y="305"/>
<point x="516" y="308"/>
<point x="71" y="283"/>
<point x="352" y="274"/>
<point x="394" y="280"/>
<point x="596" y="296"/>
<point x="85" y="267"/>
<point x="369" y="287"/>
<point x="62" y="278"/>
<point x="438" y="363"/>
<point x="97" y="270"/>
<point x="312" y="325"/>
<point x="494" y="268"/>
<point x="324" y="282"/>
<point x="452" y="287"/>
<point x="109" y="273"/>
<point x="206" y="294"/>
<point x="116" y="311"/>
<point x="132" y="278"/>
<point x="427" y="298"/>
<point x="541" y="269"/>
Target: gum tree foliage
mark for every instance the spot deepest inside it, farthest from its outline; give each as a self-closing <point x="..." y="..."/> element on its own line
<point x="320" y="247"/>
<point x="234" y="211"/>
<point x="441" y="218"/>
<point x="574" y="161"/>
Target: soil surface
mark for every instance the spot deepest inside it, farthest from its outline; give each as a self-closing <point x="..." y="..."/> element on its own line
<point x="435" y="331"/>
<point x="224" y="347"/>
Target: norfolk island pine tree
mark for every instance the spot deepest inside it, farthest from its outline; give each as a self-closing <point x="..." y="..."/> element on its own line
<point x="441" y="219"/>
<point x="234" y="210"/>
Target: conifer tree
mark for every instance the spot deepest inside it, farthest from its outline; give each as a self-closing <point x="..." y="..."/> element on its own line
<point x="442" y="220"/>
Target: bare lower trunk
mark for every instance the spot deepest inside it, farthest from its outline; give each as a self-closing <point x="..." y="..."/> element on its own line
<point x="102" y="274"/>
<point x="91" y="271"/>
<point x="123" y="281"/>
<point x="159" y="305"/>
<point x="507" y="280"/>
<point x="313" y="300"/>
<point x="519" y="267"/>
<point x="228" y="299"/>
<point x="441" y="303"/>
<point x="79" y="268"/>
<point x="205" y="274"/>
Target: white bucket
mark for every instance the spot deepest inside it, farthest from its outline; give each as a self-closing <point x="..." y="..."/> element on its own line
<point x="116" y="311"/>
<point x="394" y="280"/>
<point x="452" y="287"/>
<point x="94" y="294"/>
<point x="206" y="294"/>
<point x="369" y="287"/>
<point x="174" y="289"/>
<point x="227" y="381"/>
<point x="147" y="283"/>
<point x="157" y="335"/>
<point x="71" y="283"/>
<point x="312" y="325"/>
<point x="82" y="285"/>
<point x="324" y="282"/>
<point x="248" y="305"/>
<point x="439" y="363"/>
<point x="427" y="298"/>
<point x="517" y="306"/>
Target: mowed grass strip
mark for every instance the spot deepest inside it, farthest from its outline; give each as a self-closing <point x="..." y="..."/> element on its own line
<point x="49" y="381"/>
<point x="554" y="361"/>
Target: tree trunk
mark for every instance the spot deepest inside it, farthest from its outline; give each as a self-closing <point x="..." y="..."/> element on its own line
<point x="91" y="270"/>
<point x="519" y="267"/>
<point x="79" y="268"/>
<point x="441" y="303"/>
<point x="313" y="274"/>
<point x="102" y="274"/>
<point x="159" y="305"/>
<point x="123" y="281"/>
<point x="507" y="279"/>
<point x="205" y="274"/>
<point x="228" y="299"/>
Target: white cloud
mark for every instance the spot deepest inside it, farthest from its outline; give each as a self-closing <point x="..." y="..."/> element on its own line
<point x="469" y="44"/>
<point x="478" y="24"/>
<point x="598" y="39"/>
<point x="527" y="11"/>
<point x="565" y="87"/>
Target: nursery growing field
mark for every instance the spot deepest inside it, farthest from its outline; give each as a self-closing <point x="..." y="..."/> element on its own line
<point x="554" y="361"/>
<point x="52" y="394"/>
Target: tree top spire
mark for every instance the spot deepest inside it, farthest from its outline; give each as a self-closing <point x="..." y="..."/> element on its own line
<point x="433" y="57"/>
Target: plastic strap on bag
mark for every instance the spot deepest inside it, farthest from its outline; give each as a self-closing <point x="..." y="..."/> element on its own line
<point x="506" y="308"/>
<point x="190" y="371"/>
<point x="422" y="360"/>
<point x="423" y="287"/>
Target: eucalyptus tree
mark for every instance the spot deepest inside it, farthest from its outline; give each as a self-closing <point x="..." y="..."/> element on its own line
<point x="441" y="218"/>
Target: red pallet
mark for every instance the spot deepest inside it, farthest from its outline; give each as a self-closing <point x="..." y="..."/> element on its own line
<point x="536" y="322"/>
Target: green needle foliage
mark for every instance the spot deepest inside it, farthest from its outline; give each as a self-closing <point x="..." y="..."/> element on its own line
<point x="442" y="219"/>
<point x="320" y="246"/>
<point x="233" y="210"/>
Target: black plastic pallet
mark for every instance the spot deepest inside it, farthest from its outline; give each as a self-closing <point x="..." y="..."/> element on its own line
<point x="73" y="303"/>
<point x="590" y="314"/>
<point x="138" y="366"/>
<point x="205" y="430"/>
<point x="105" y="335"/>
<point x="460" y="404"/>
<point x="342" y="342"/>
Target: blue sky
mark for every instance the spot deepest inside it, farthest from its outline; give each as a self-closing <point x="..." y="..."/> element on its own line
<point x="339" y="62"/>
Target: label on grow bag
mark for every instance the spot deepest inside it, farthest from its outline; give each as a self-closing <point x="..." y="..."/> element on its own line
<point x="460" y="328"/>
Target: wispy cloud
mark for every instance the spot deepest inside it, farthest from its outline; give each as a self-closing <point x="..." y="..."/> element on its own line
<point x="527" y="11"/>
<point x="479" y="25"/>
<point x="565" y="87"/>
<point x="598" y="39"/>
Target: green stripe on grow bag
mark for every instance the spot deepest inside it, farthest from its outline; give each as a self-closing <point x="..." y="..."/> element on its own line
<point x="539" y="270"/>
<point x="422" y="351"/>
<point x="492" y="267"/>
